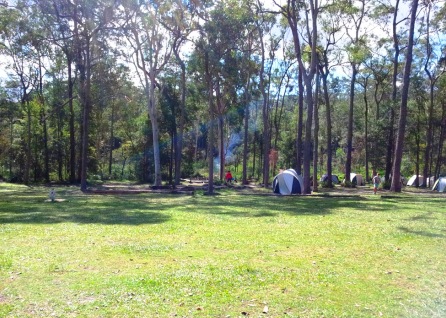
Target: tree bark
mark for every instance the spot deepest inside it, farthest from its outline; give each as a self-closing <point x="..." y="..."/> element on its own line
<point x="396" y="171"/>
<point x="348" y="161"/>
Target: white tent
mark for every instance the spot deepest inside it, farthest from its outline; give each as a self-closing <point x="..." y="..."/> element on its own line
<point x="440" y="185"/>
<point x="288" y="182"/>
<point x="357" y="179"/>
<point x="412" y="181"/>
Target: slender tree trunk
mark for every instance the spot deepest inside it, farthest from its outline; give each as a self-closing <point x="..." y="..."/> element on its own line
<point x="348" y="162"/>
<point x="438" y="165"/>
<point x="265" y="115"/>
<point x="86" y="117"/>
<point x="45" y="147"/>
<point x="245" y="142"/>
<point x="316" y="133"/>
<point x="254" y="152"/>
<point x="221" y="145"/>
<point x="71" y="124"/>
<point x="429" y="133"/>
<point x="112" y="141"/>
<point x="396" y="171"/>
<point x="307" y="143"/>
<point x="210" y="89"/>
<point x="155" y="128"/>
<point x="396" y="47"/>
<point x="300" y="120"/>
<point x="46" y="171"/>
<point x="366" y="131"/>
<point x="28" y="142"/>
<point x="329" y="133"/>
<point x="180" y="136"/>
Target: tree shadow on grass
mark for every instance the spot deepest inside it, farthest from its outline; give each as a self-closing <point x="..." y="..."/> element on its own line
<point x="421" y="233"/>
<point x="34" y="210"/>
<point x="271" y="206"/>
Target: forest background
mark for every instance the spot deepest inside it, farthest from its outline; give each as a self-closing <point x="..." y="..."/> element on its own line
<point x="156" y="91"/>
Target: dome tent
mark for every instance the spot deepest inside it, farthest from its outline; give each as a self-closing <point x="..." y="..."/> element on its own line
<point x="356" y="179"/>
<point x="440" y="185"/>
<point x="334" y="178"/>
<point x="288" y="182"/>
<point x="412" y="181"/>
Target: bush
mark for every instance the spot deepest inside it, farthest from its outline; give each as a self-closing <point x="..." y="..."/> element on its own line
<point x="348" y="184"/>
<point x="324" y="184"/>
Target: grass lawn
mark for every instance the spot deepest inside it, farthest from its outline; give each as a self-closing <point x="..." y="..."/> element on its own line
<point x="230" y="255"/>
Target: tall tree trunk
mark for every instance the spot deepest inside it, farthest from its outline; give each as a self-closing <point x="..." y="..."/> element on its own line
<point x="316" y="133"/>
<point x="329" y="133"/>
<point x="112" y="137"/>
<point x="300" y="121"/>
<point x="72" y="161"/>
<point x="247" y="101"/>
<point x="86" y="82"/>
<point x="180" y="136"/>
<point x="155" y="128"/>
<point x="28" y="142"/>
<point x="221" y="145"/>
<point x="366" y="131"/>
<point x="307" y="142"/>
<point x="265" y="117"/>
<point x="429" y="133"/>
<point x="245" y="139"/>
<point x="396" y="47"/>
<point x="210" y="90"/>
<point x="396" y="171"/>
<point x="438" y="166"/>
<point x="348" y="161"/>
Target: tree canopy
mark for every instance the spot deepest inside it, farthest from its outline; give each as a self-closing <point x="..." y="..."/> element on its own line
<point x="156" y="91"/>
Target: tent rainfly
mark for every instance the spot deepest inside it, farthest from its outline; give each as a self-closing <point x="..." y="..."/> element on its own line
<point x="334" y="178"/>
<point x="288" y="182"/>
<point x="440" y="185"/>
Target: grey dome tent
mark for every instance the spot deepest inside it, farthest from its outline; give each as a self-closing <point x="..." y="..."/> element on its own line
<point x="288" y="182"/>
<point x="334" y="178"/>
<point x="440" y="185"/>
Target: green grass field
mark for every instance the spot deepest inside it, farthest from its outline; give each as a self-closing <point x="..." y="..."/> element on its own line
<point x="230" y="255"/>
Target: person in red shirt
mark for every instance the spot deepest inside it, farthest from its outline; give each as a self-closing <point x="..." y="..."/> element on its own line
<point x="229" y="177"/>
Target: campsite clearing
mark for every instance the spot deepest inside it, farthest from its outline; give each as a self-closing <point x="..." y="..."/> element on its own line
<point x="163" y="255"/>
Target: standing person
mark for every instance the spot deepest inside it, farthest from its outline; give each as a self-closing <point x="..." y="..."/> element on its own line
<point x="228" y="177"/>
<point x="376" y="180"/>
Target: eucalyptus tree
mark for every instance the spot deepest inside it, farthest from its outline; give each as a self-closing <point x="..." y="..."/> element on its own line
<point x="79" y="28"/>
<point x="393" y="16"/>
<point x="17" y="44"/>
<point x="355" y="13"/>
<point x="329" y="58"/>
<point x="59" y="22"/>
<point x="181" y="25"/>
<point x="269" y="43"/>
<point x="204" y="67"/>
<point x="377" y="74"/>
<point x="218" y="58"/>
<point x="303" y="21"/>
<point x="224" y="30"/>
<point x="434" y="67"/>
<point x="151" y="53"/>
<point x="396" y="171"/>
<point x="248" y="71"/>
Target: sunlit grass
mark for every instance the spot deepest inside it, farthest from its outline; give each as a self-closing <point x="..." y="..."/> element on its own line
<point x="230" y="255"/>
